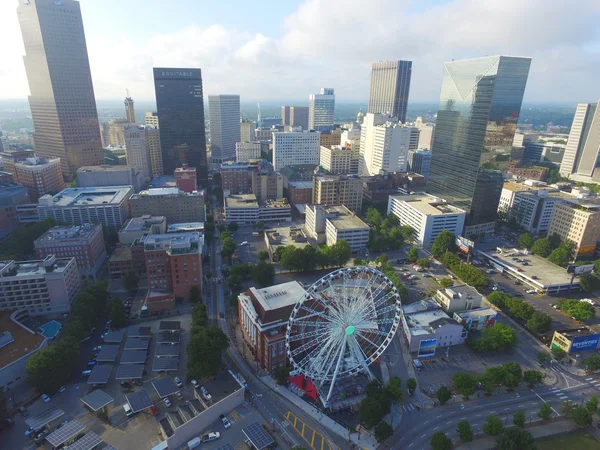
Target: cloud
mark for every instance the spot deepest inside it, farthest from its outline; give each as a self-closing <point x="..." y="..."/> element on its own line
<point x="333" y="43"/>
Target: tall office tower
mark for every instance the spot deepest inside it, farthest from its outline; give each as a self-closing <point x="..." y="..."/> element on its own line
<point x="285" y="115"/>
<point x="479" y="108"/>
<point x="180" y="106"/>
<point x="151" y="118"/>
<point x="154" y="147"/>
<point x="321" y="110"/>
<point x="224" y="114"/>
<point x="137" y="149"/>
<point x="296" y="147"/>
<point x="129" y="109"/>
<point x="4" y="145"/>
<point x="419" y="161"/>
<point x="580" y="161"/>
<point x="384" y="144"/>
<point x="247" y="128"/>
<point x="62" y="99"/>
<point x="295" y="116"/>
<point x="390" y="85"/>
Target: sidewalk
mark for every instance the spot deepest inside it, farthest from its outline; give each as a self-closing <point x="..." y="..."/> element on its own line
<point x="537" y="430"/>
<point x="365" y="441"/>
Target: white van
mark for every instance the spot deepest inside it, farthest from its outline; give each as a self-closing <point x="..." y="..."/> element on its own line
<point x="194" y="443"/>
<point x="128" y="411"/>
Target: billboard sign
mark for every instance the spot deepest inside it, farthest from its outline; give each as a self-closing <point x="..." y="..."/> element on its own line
<point x="427" y="348"/>
<point x="465" y="245"/>
<point x="588" y="342"/>
<point x="580" y="270"/>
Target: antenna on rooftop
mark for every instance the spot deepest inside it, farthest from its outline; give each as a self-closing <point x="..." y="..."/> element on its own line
<point x="127" y="91"/>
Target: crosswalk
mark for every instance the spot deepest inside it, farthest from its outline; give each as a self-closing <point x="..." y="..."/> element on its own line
<point x="560" y="394"/>
<point x="409" y="407"/>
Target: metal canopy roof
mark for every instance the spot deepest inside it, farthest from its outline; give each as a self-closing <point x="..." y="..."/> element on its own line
<point x="167" y="350"/>
<point x="140" y="332"/>
<point x="133" y="356"/>
<point x="39" y="420"/>
<point x="97" y="399"/>
<point x="100" y="374"/>
<point x="87" y="442"/>
<point x="170" y="325"/>
<point x="139" y="401"/>
<point x="137" y="344"/>
<point x="114" y="337"/>
<point x="258" y="436"/>
<point x="227" y="446"/>
<point x="110" y="447"/>
<point x="165" y="386"/>
<point x="165" y="364"/>
<point x="64" y="433"/>
<point x="108" y="353"/>
<point x="130" y="372"/>
<point x="168" y="338"/>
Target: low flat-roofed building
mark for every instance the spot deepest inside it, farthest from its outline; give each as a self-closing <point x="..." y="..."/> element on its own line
<point x="427" y="215"/>
<point x="299" y="192"/>
<point x="17" y="344"/>
<point x="282" y="237"/>
<point x="163" y="181"/>
<point x="83" y="242"/>
<point x="136" y="227"/>
<point x="241" y="209"/>
<point x="157" y="301"/>
<point x="173" y="203"/>
<point x="40" y="176"/>
<point x="576" y="340"/>
<point x="186" y="227"/>
<point x="124" y="258"/>
<point x="48" y="286"/>
<point x="458" y="298"/>
<point x="330" y="224"/>
<point x="263" y="315"/>
<point x="425" y="321"/>
<point x="108" y="175"/>
<point x="275" y="211"/>
<point x="11" y="195"/>
<point x="476" y="319"/>
<point x="107" y="205"/>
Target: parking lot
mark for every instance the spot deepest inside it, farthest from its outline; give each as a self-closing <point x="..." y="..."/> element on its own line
<point x="249" y="252"/>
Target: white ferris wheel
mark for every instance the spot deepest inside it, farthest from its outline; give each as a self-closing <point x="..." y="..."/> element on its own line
<point x="343" y="324"/>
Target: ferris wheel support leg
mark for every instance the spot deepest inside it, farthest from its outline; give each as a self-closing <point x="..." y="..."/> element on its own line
<point x="337" y="367"/>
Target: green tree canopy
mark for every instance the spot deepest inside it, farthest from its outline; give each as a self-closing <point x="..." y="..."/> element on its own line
<point x="263" y="255"/>
<point x="593" y="362"/>
<point x="444" y="242"/>
<point x="373" y="217"/>
<point x="263" y="274"/>
<point x="541" y="247"/>
<point x="515" y="438"/>
<point x="540" y="323"/>
<point x="592" y="404"/>
<point x="204" y="351"/>
<point x="558" y="353"/>
<point x="424" y="263"/>
<point x="465" y="383"/>
<point x="446" y="282"/>
<point x="443" y="394"/>
<point x="543" y="357"/>
<point x="439" y="441"/>
<point x="464" y="431"/>
<point x="545" y="411"/>
<point x="411" y="384"/>
<point x="533" y="377"/>
<point x="413" y="254"/>
<point x="525" y="241"/>
<point x="560" y="256"/>
<point x="582" y="416"/>
<point x="383" y="430"/>
<point x="519" y="419"/>
<point x="394" y="389"/>
<point x="195" y="295"/>
<point x="131" y="281"/>
<point x="281" y="374"/>
<point x="232" y="227"/>
<point x="500" y="337"/>
<point x="493" y="425"/>
<point x="118" y="316"/>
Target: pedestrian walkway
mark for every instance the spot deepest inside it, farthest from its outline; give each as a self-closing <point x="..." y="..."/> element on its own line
<point x="409" y="407"/>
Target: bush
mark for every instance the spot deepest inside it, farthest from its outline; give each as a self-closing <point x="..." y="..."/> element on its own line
<point x="446" y="282"/>
<point x="443" y="394"/>
<point x="383" y="430"/>
<point x="500" y="337"/>
<point x="493" y="425"/>
<point x="413" y="254"/>
<point x="439" y="441"/>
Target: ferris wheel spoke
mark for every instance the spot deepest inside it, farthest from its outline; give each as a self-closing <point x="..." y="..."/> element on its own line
<point x="384" y="299"/>
<point x="322" y="359"/>
<point x="386" y="310"/>
<point x="362" y="336"/>
<point x="303" y="348"/>
<point x="320" y="334"/>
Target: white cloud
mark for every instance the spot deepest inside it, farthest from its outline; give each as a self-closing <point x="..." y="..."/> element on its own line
<point x="332" y="43"/>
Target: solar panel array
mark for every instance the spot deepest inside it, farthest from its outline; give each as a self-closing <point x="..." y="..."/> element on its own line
<point x="64" y="433"/>
<point x="87" y="442"/>
<point x="39" y="420"/>
<point x="258" y="436"/>
<point x="97" y="399"/>
<point x="227" y="446"/>
<point x="168" y="338"/>
<point x="114" y="337"/>
<point x="170" y="325"/>
<point x="130" y="371"/>
<point x="133" y="356"/>
<point x="167" y="350"/>
<point x="165" y="386"/>
<point x="139" y="401"/>
<point x="165" y="364"/>
<point x="140" y="332"/>
<point x="108" y="353"/>
<point x="137" y="344"/>
<point x="110" y="447"/>
<point x="100" y="374"/>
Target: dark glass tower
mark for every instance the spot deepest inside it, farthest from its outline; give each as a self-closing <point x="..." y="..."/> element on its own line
<point x="477" y="117"/>
<point x="180" y="108"/>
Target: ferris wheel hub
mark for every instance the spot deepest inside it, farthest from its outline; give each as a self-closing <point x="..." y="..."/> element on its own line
<point x="350" y="330"/>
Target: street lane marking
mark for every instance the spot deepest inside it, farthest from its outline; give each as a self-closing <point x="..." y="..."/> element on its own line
<point x="506" y="409"/>
<point x="449" y="422"/>
<point x="479" y="414"/>
<point x="435" y="428"/>
<point x="423" y="436"/>
<point x="590" y="378"/>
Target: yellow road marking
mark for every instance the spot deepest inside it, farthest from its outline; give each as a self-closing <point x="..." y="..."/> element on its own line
<point x="303" y="432"/>
<point x="312" y="442"/>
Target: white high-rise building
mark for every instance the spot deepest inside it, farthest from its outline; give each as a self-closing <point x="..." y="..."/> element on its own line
<point x="426" y="132"/>
<point x="583" y="146"/>
<point x="224" y="114"/>
<point x="151" y="118"/>
<point x="245" y="151"/>
<point x="297" y="147"/>
<point x="384" y="144"/>
<point x="321" y="110"/>
<point x="137" y="148"/>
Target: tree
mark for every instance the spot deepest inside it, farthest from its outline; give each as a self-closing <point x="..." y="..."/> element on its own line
<point x="583" y="311"/>
<point x="232" y="227"/>
<point x="493" y="425"/>
<point x="118" y="316"/>
<point x="465" y="383"/>
<point x="446" y="282"/>
<point x="339" y="253"/>
<point x="567" y="407"/>
<point x="371" y="412"/>
<point x="411" y="385"/>
<point x="541" y="247"/>
<point x="3" y="410"/>
<point x="199" y="316"/>
<point x="131" y="281"/>
<point x="413" y="254"/>
<point x="281" y="375"/>
<point x="515" y="438"/>
<point x="597" y="266"/>
<point x="259" y="225"/>
<point x="383" y="430"/>
<point x="204" y="351"/>
<point x="373" y="217"/>
<point x="582" y="416"/>
<point x="424" y="263"/>
<point x="545" y="411"/>
<point x="519" y="419"/>
<point x="593" y="362"/>
<point x="560" y="256"/>
<point x="533" y="377"/>
<point x="543" y="357"/>
<point x="195" y="296"/>
<point x="444" y="242"/>
<point x="394" y="389"/>
<point x="443" y="394"/>
<point x="497" y="338"/>
<point x="263" y="273"/>
<point x="525" y="241"/>
<point x="263" y="255"/>
<point x="49" y="368"/>
<point x="228" y="247"/>
<point x="540" y="323"/>
<point x="592" y="404"/>
<point x="464" y="431"/>
<point x="558" y="353"/>
<point x="498" y="298"/>
<point x="589" y="283"/>
<point x="381" y="259"/>
<point x="439" y="441"/>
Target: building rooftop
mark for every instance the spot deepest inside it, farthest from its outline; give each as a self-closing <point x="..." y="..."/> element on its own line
<point x="121" y="254"/>
<point x="460" y="291"/>
<point x="428" y="204"/>
<point x="23" y="340"/>
<point x="524" y="186"/>
<point x="284" y="236"/>
<point x="344" y="219"/>
<point x="574" y="332"/>
<point x="241" y="201"/>
<point x="176" y="243"/>
<point x="164" y="181"/>
<point x="301" y="184"/>
<point x="325" y="178"/>
<point x="87" y="196"/>
<point x="590" y="204"/>
<point x="185" y="226"/>
<point x="36" y="161"/>
<point x="31" y="268"/>
<point x="166" y="192"/>
<point x="425" y="316"/>
<point x="105" y="168"/>
<point x="278" y="296"/>
<point x="68" y="232"/>
<point x="477" y="312"/>
<point x="143" y="223"/>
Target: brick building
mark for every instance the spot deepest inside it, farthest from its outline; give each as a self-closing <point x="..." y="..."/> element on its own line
<point x="185" y="178"/>
<point x="531" y="173"/>
<point x="40" y="176"/>
<point x="300" y="192"/>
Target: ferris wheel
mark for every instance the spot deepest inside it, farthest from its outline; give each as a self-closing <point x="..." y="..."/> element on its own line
<point x="342" y="324"/>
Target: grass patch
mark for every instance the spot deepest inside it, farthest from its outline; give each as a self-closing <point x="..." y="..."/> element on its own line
<point x="580" y="440"/>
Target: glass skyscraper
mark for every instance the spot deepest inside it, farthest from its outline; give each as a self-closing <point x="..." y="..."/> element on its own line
<point x="180" y="108"/>
<point x="390" y="85"/>
<point x="477" y="117"/>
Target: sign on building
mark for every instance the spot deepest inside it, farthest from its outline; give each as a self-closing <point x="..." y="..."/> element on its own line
<point x="427" y="348"/>
<point x="464" y="245"/>
<point x="581" y="343"/>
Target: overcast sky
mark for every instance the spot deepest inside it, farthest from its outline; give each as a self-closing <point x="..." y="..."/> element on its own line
<point x="286" y="49"/>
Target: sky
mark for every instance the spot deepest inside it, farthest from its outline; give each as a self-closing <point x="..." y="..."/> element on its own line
<point x="285" y="50"/>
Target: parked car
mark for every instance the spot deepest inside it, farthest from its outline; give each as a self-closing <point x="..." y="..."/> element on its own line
<point x="29" y="432"/>
<point x="179" y="395"/>
<point x="154" y="410"/>
<point x="46" y="398"/>
<point x="40" y="437"/>
<point x="91" y="363"/>
<point x="126" y="384"/>
<point x="62" y="389"/>
<point x="211" y="436"/>
<point x="86" y="373"/>
<point x="62" y="424"/>
<point x="225" y="421"/>
<point x="167" y="402"/>
<point x="97" y="348"/>
<point x="24" y="411"/>
<point x="195" y="384"/>
<point x="205" y="393"/>
<point x="178" y="382"/>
